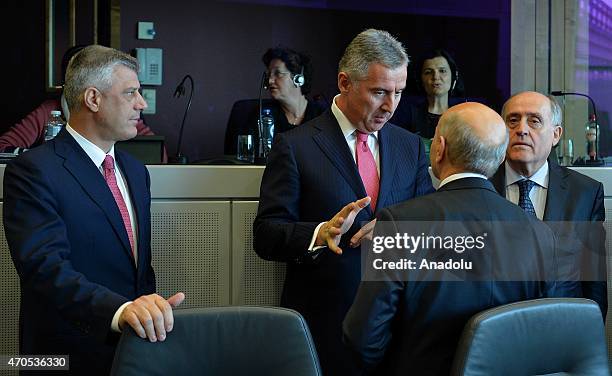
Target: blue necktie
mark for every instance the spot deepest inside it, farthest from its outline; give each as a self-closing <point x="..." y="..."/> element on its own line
<point x="524" y="200"/>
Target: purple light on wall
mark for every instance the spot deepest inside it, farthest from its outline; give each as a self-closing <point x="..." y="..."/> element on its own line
<point x="600" y="67"/>
<point x="607" y="2"/>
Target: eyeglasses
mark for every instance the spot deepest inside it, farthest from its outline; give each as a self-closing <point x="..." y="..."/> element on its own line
<point x="277" y="74"/>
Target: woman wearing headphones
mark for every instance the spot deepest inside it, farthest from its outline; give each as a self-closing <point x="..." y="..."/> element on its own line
<point x="288" y="79"/>
<point x="437" y="80"/>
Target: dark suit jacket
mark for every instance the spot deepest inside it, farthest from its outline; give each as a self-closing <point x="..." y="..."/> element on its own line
<point x="71" y="250"/>
<point x="398" y="327"/>
<point x="309" y="177"/>
<point x="575" y="198"/>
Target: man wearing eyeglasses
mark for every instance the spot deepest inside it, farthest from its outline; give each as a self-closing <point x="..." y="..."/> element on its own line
<point x="572" y="203"/>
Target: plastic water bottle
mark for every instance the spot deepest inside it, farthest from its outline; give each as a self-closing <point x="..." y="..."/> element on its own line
<point x="592" y="138"/>
<point x="54" y="125"/>
<point x="268" y="128"/>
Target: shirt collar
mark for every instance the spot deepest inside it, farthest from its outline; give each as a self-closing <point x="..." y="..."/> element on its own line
<point x="96" y="154"/>
<point x="347" y="128"/>
<point x="461" y="175"/>
<point x="540" y="177"/>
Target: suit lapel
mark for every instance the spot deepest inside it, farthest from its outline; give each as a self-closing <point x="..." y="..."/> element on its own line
<point x="334" y="146"/>
<point x="81" y="167"/>
<point x="387" y="166"/>
<point x="557" y="191"/>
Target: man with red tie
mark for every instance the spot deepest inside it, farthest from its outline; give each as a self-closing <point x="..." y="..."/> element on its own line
<point x="344" y="165"/>
<point x="77" y="220"/>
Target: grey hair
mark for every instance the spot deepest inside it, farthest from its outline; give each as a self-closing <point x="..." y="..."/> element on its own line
<point x="555" y="111"/>
<point x="93" y="67"/>
<point x="372" y="46"/>
<point x="470" y="151"/>
<point x="556" y="115"/>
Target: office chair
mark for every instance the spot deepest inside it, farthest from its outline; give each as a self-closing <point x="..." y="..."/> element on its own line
<point x="536" y="337"/>
<point x="223" y="341"/>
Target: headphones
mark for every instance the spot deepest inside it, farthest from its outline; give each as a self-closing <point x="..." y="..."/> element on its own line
<point x="298" y="79"/>
<point x="453" y="70"/>
<point x="454" y="73"/>
<point x="454" y="81"/>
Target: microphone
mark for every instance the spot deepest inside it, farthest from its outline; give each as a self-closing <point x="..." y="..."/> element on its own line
<point x="261" y="156"/>
<point x="265" y="81"/>
<point x="594" y="160"/>
<point x="559" y="93"/>
<point x="179" y="158"/>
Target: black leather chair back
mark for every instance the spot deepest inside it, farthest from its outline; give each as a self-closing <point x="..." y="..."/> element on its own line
<point x="537" y="337"/>
<point x="223" y="341"/>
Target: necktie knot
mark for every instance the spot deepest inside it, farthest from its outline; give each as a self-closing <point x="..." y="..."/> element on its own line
<point x="525" y="187"/>
<point x="362" y="137"/>
<point x="109" y="162"/>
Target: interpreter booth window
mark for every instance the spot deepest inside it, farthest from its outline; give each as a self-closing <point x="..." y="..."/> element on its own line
<point x="587" y="139"/>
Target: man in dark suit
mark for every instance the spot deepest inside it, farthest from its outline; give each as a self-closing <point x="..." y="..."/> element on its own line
<point x="410" y="321"/>
<point x="77" y="220"/>
<point x="319" y="180"/>
<point x="572" y="203"/>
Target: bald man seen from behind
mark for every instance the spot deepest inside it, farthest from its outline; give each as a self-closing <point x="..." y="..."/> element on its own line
<point x="410" y="321"/>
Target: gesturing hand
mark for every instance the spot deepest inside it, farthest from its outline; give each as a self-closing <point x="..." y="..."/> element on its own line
<point x="366" y="232"/>
<point x="330" y="233"/>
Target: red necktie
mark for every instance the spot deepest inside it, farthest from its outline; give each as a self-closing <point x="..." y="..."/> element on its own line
<point x="111" y="180"/>
<point x="367" y="167"/>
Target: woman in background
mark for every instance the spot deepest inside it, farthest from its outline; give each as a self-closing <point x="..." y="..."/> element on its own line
<point x="438" y="82"/>
<point x="288" y="78"/>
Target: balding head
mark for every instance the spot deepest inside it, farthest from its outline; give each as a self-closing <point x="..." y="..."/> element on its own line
<point x="474" y="139"/>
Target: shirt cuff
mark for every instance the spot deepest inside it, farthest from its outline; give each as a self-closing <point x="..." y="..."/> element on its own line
<point x="311" y="247"/>
<point x="115" y="323"/>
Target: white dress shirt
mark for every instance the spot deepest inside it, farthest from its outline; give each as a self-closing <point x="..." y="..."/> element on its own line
<point x="538" y="193"/>
<point x="97" y="156"/>
<point x="348" y="130"/>
<point x="460" y="175"/>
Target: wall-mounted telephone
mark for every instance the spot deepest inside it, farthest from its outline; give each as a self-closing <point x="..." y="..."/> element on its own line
<point x="150" y="61"/>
